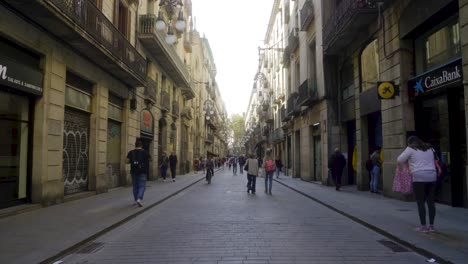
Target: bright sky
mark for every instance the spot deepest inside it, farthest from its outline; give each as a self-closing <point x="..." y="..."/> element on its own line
<point x="235" y="30"/>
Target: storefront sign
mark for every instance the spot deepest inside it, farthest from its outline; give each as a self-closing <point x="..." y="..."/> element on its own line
<point x="20" y="77"/>
<point x="147" y="122"/>
<point x="448" y="75"/>
<point x="386" y="90"/>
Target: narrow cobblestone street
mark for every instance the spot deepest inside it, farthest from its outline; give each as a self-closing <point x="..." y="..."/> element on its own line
<point x="221" y="223"/>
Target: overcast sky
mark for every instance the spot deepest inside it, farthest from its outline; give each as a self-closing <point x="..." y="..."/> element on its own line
<point x="235" y="30"/>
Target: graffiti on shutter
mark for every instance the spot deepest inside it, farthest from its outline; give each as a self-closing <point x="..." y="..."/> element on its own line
<point x="75" y="151"/>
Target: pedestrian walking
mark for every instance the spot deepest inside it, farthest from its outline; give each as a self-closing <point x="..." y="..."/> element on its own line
<point x="251" y="166"/>
<point x="279" y="166"/>
<point x="336" y="164"/>
<point x="420" y="158"/>
<point x="234" y="165"/>
<point x="163" y="165"/>
<point x="270" y="167"/>
<point x="209" y="169"/>
<point x="375" y="172"/>
<point x="139" y="164"/>
<point x="173" y="165"/>
<point x="241" y="164"/>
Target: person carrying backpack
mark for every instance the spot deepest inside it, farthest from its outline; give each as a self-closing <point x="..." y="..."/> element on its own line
<point x="269" y="166"/>
<point x="139" y="164"/>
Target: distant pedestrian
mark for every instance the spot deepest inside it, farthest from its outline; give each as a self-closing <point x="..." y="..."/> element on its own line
<point x="375" y="172"/>
<point x="209" y="169"/>
<point x="251" y="166"/>
<point x="241" y="164"/>
<point x="234" y="165"/>
<point x="270" y="167"/>
<point x="173" y="165"/>
<point x="336" y="164"/>
<point x="164" y="163"/>
<point x="420" y="158"/>
<point x="139" y="164"/>
<point x="279" y="166"/>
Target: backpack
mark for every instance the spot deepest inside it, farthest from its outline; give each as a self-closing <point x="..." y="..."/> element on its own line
<point x="369" y="165"/>
<point x="269" y="165"/>
<point x="137" y="164"/>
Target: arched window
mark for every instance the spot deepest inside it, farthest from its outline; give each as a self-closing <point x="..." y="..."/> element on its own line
<point x="370" y="72"/>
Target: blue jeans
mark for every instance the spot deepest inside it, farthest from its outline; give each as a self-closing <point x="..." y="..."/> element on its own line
<point x="268" y="180"/>
<point x="251" y="180"/>
<point x="375" y="175"/>
<point x="139" y="185"/>
<point x="277" y="172"/>
<point x="164" y="171"/>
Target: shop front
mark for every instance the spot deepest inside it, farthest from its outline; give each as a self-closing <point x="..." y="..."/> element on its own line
<point x="440" y="120"/>
<point x="21" y="81"/>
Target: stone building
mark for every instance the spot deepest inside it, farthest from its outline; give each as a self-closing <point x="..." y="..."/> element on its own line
<point x="373" y="48"/>
<point x="80" y="82"/>
<point x="362" y="74"/>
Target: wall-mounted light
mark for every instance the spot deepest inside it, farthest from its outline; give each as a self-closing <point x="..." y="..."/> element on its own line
<point x="171" y="7"/>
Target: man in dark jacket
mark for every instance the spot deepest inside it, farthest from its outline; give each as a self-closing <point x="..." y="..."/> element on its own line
<point x="336" y="164"/>
<point x="173" y="164"/>
<point x="139" y="163"/>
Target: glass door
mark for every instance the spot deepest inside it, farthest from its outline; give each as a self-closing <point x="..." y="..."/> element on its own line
<point x="14" y="135"/>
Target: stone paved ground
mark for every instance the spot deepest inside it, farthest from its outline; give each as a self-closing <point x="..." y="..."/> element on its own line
<point x="220" y="223"/>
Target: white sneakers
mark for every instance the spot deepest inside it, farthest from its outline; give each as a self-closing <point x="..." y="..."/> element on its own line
<point x="140" y="203"/>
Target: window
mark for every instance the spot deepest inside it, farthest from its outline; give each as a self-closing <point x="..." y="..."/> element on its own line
<point x="370" y="73"/>
<point x="439" y="46"/>
<point x="123" y="16"/>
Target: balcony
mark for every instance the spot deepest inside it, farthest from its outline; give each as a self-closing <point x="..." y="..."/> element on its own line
<point x="175" y="109"/>
<point x="308" y="93"/>
<point x="293" y="108"/>
<point x="349" y="19"/>
<point x="154" y="41"/>
<point x="150" y="90"/>
<point x="307" y="14"/>
<point x="293" y="40"/>
<point x="85" y="28"/>
<point x="209" y="139"/>
<point x="165" y="102"/>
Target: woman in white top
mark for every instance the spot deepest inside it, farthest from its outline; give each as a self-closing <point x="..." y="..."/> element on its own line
<point x="420" y="158"/>
<point x="252" y="173"/>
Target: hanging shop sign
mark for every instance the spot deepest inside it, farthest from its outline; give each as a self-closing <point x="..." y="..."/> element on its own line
<point x="147" y="122"/>
<point x="386" y="90"/>
<point x="446" y="76"/>
<point x="20" y="77"/>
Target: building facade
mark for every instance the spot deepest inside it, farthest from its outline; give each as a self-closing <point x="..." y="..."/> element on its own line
<point x="362" y="74"/>
<point x="80" y="82"/>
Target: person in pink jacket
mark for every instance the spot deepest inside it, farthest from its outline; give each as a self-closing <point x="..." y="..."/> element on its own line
<point x="420" y="157"/>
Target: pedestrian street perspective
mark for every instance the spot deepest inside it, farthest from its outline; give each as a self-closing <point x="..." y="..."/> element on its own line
<point x="119" y="142"/>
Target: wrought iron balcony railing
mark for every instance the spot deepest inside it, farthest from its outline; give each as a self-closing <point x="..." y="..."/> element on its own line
<point x="293" y="108"/>
<point x="209" y="139"/>
<point x="307" y="14"/>
<point x="165" y="102"/>
<point x="293" y="40"/>
<point x="308" y="93"/>
<point x="85" y="14"/>
<point x="150" y="90"/>
<point x="345" y="19"/>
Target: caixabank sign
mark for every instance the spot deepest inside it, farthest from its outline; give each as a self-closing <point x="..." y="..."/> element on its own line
<point x="20" y="77"/>
<point x="446" y="76"/>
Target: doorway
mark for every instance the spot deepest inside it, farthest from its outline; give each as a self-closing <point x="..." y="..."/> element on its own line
<point x="297" y="154"/>
<point x="440" y="121"/>
<point x="317" y="158"/>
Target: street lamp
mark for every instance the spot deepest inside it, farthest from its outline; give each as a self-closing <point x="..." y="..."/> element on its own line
<point x="208" y="109"/>
<point x="171" y="7"/>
